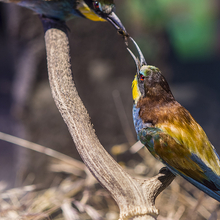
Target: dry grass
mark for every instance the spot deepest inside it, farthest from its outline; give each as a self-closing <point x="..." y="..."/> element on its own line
<point x="79" y="196"/>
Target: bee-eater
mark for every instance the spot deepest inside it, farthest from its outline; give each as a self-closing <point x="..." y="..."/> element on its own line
<point x="100" y="10"/>
<point x="169" y="131"/>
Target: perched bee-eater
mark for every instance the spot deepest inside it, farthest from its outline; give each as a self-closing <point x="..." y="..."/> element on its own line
<point x="169" y="131"/>
<point x="100" y="10"/>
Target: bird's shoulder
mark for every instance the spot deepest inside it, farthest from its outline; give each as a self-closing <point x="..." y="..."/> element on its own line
<point x="160" y="111"/>
<point x="188" y="138"/>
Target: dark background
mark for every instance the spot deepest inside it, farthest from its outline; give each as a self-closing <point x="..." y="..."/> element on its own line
<point x="179" y="37"/>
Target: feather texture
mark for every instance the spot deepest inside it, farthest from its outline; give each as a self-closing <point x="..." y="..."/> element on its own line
<point x="172" y="135"/>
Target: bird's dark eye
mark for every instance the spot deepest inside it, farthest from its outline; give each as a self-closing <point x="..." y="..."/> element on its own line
<point x="96" y="5"/>
<point x="141" y="77"/>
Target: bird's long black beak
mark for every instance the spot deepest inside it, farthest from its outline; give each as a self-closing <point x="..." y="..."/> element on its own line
<point x="138" y="61"/>
<point x="142" y="59"/>
<point x="115" y="21"/>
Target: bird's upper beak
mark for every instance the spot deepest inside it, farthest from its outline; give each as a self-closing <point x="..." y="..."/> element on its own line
<point x="115" y="21"/>
<point x="139" y="61"/>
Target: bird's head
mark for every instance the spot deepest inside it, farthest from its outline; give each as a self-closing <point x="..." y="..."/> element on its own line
<point x="148" y="81"/>
<point x="103" y="10"/>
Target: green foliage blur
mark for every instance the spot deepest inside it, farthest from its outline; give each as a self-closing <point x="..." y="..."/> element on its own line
<point x="190" y="25"/>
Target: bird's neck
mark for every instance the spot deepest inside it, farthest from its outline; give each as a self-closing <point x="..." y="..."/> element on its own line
<point x="156" y="97"/>
<point x="152" y="109"/>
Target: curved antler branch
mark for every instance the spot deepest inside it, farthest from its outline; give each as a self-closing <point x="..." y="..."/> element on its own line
<point x="132" y="196"/>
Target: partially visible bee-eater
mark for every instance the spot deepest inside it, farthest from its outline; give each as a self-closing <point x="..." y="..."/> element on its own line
<point x="169" y="131"/>
<point x="102" y="10"/>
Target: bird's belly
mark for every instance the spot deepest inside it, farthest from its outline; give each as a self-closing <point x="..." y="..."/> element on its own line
<point x="138" y="123"/>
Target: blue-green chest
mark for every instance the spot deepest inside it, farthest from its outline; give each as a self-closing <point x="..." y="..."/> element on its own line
<point x="138" y="123"/>
<point x="142" y="130"/>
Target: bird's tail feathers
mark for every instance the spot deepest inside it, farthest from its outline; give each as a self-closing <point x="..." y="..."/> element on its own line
<point x="213" y="193"/>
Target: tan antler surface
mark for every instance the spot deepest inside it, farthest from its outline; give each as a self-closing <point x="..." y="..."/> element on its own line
<point x="134" y="198"/>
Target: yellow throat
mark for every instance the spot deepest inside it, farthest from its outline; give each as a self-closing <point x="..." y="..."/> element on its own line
<point x="135" y="90"/>
<point x="88" y="13"/>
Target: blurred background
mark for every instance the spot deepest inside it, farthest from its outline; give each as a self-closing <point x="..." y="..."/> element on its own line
<point x="180" y="37"/>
